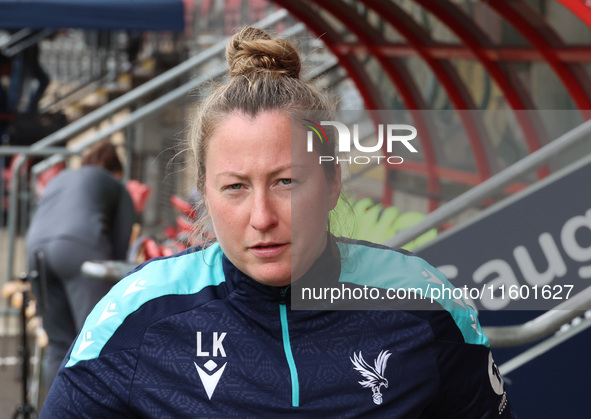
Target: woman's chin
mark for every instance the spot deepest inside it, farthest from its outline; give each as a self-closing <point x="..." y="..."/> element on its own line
<point x="275" y="276"/>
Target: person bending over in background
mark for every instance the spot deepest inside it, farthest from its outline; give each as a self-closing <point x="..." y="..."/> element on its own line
<point x="84" y="214"/>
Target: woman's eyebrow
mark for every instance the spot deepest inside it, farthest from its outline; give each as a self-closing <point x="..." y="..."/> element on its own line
<point x="272" y="173"/>
<point x="231" y="173"/>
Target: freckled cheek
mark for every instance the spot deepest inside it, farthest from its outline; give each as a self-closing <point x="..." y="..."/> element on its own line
<point x="227" y="218"/>
<point x="230" y="233"/>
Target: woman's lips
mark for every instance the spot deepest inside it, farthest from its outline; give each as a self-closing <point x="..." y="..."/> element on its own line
<point x="267" y="251"/>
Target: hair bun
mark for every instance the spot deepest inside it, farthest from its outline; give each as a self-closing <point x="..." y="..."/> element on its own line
<point x="253" y="50"/>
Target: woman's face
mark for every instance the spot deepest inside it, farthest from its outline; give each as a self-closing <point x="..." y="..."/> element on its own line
<point x="256" y="192"/>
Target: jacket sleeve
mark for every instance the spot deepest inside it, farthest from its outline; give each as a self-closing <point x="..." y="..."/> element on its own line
<point x="96" y="388"/>
<point x="470" y="383"/>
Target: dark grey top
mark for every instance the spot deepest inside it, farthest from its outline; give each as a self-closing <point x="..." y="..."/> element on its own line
<point x="88" y="205"/>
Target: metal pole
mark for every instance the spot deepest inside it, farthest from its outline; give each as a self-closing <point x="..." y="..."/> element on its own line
<point x="23" y="202"/>
<point x="13" y="203"/>
<point x="130" y="139"/>
<point x="48" y="151"/>
<point x="542" y="326"/>
<point x="2" y="197"/>
<point x="495" y="183"/>
<point x="141" y="113"/>
<point x="544" y="346"/>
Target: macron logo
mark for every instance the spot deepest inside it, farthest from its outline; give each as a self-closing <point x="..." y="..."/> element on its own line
<point x="107" y="312"/>
<point x="430" y="277"/>
<point x="474" y="326"/>
<point x="86" y="342"/>
<point x="210" y="382"/>
<point x="136" y="285"/>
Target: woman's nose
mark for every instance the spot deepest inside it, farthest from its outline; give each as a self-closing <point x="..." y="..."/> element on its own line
<point x="263" y="215"/>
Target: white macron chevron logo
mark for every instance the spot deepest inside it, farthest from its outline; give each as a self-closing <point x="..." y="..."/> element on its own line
<point x="136" y="285"/>
<point x="210" y="382"/>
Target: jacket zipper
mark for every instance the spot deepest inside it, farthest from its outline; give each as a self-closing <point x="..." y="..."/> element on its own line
<point x="295" y="385"/>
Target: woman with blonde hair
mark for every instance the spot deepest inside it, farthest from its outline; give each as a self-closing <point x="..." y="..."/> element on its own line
<point x="214" y="331"/>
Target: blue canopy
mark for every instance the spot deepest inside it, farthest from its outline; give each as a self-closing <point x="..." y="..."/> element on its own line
<point x="153" y="15"/>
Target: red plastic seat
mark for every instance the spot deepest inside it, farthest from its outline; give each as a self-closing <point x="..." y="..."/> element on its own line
<point x="183" y="205"/>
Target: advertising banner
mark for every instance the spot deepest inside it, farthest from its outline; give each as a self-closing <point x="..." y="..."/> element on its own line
<point x="532" y="252"/>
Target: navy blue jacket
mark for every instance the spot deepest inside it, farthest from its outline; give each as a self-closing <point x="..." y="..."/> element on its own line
<point x="192" y="336"/>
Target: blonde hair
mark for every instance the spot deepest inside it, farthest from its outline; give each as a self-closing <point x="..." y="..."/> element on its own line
<point x="264" y="76"/>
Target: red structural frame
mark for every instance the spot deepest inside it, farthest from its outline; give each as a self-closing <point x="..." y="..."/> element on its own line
<point x="404" y="82"/>
<point x="501" y="54"/>
<point x="446" y="73"/>
<point x="514" y="92"/>
<point x="580" y="8"/>
<point x="355" y="69"/>
<point x="545" y="45"/>
<point x="542" y="37"/>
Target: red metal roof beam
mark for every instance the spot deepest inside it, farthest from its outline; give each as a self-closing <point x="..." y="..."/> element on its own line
<point x="577" y="54"/>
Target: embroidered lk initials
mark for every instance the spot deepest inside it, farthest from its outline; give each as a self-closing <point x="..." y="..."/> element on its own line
<point x="216" y="345"/>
